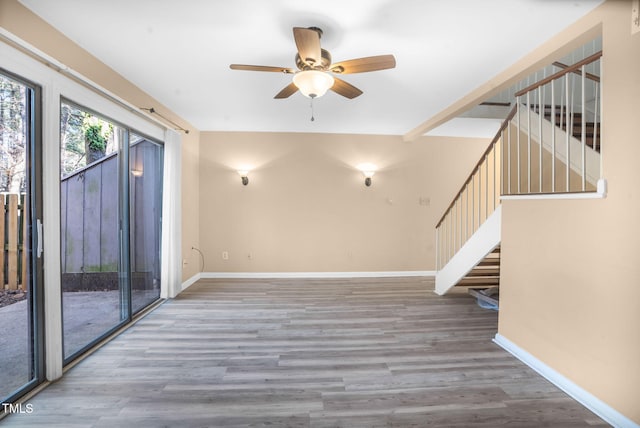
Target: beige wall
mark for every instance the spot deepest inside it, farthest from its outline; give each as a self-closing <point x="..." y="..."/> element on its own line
<point x="306" y="208"/>
<point x="23" y="23"/>
<point x="190" y="204"/>
<point x="570" y="292"/>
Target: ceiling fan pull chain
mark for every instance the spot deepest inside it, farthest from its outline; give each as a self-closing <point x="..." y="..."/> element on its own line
<point x="312" y="118"/>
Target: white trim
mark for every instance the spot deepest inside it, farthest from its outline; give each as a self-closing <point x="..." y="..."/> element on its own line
<point x="189" y="282"/>
<point x="591" y="402"/>
<point x="22" y="65"/>
<point x="565" y="196"/>
<point x="266" y="275"/>
<point x="600" y="193"/>
<point x="477" y="247"/>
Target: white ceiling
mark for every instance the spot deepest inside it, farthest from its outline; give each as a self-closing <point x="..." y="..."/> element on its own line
<point x="179" y="52"/>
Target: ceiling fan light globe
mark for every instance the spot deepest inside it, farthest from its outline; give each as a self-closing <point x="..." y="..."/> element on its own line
<point x="313" y="83"/>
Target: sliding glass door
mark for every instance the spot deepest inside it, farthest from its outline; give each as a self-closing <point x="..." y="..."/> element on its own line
<point x="91" y="297"/>
<point x="21" y="314"/>
<point x="111" y="181"/>
<point x="145" y="196"/>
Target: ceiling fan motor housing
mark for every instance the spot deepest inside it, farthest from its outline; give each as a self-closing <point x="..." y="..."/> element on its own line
<point x="325" y="62"/>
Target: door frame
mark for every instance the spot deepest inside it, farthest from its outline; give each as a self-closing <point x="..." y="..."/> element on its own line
<point x="35" y="287"/>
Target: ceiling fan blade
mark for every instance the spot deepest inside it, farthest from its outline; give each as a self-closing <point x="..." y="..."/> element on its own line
<point x="345" y="89"/>
<point x="308" y="44"/>
<point x="289" y="90"/>
<point x="362" y="65"/>
<point x="262" y="68"/>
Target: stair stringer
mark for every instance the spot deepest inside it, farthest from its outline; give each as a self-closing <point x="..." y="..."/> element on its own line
<point x="477" y="247"/>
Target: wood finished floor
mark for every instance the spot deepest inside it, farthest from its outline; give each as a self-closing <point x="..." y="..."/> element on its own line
<point x="306" y="353"/>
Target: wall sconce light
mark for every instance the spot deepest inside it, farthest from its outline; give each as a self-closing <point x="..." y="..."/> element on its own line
<point x="367" y="177"/>
<point x="136" y="172"/>
<point x="244" y="175"/>
<point x="368" y="170"/>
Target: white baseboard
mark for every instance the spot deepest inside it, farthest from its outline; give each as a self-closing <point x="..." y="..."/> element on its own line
<point x="591" y="402"/>
<point x="267" y="275"/>
<point x="189" y="282"/>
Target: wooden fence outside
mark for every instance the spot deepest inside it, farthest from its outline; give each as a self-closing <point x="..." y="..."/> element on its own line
<point x="13" y="230"/>
<point x="89" y="221"/>
<point x="90" y="218"/>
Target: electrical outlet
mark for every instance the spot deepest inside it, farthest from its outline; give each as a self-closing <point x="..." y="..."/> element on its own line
<point x="225" y="255"/>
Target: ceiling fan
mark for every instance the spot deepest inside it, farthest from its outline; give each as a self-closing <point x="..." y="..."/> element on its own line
<point x="315" y="74"/>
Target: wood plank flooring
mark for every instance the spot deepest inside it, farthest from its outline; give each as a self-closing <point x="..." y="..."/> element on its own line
<point x="306" y="353"/>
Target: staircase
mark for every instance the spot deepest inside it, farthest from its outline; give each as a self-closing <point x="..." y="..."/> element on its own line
<point x="537" y="150"/>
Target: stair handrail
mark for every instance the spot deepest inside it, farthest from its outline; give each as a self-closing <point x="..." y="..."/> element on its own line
<point x="475" y="169"/>
<point x="589" y="76"/>
<point x="476" y="200"/>
<point x="556" y="136"/>
<point x="559" y="74"/>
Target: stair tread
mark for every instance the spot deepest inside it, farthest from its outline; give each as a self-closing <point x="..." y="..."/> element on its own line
<point x="479" y="281"/>
<point x="475" y="274"/>
<point x="489" y="263"/>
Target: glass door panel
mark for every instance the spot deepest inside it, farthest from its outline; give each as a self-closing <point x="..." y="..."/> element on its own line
<point x="20" y="304"/>
<point x="92" y="287"/>
<point x="146" y="160"/>
<point x="111" y="210"/>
